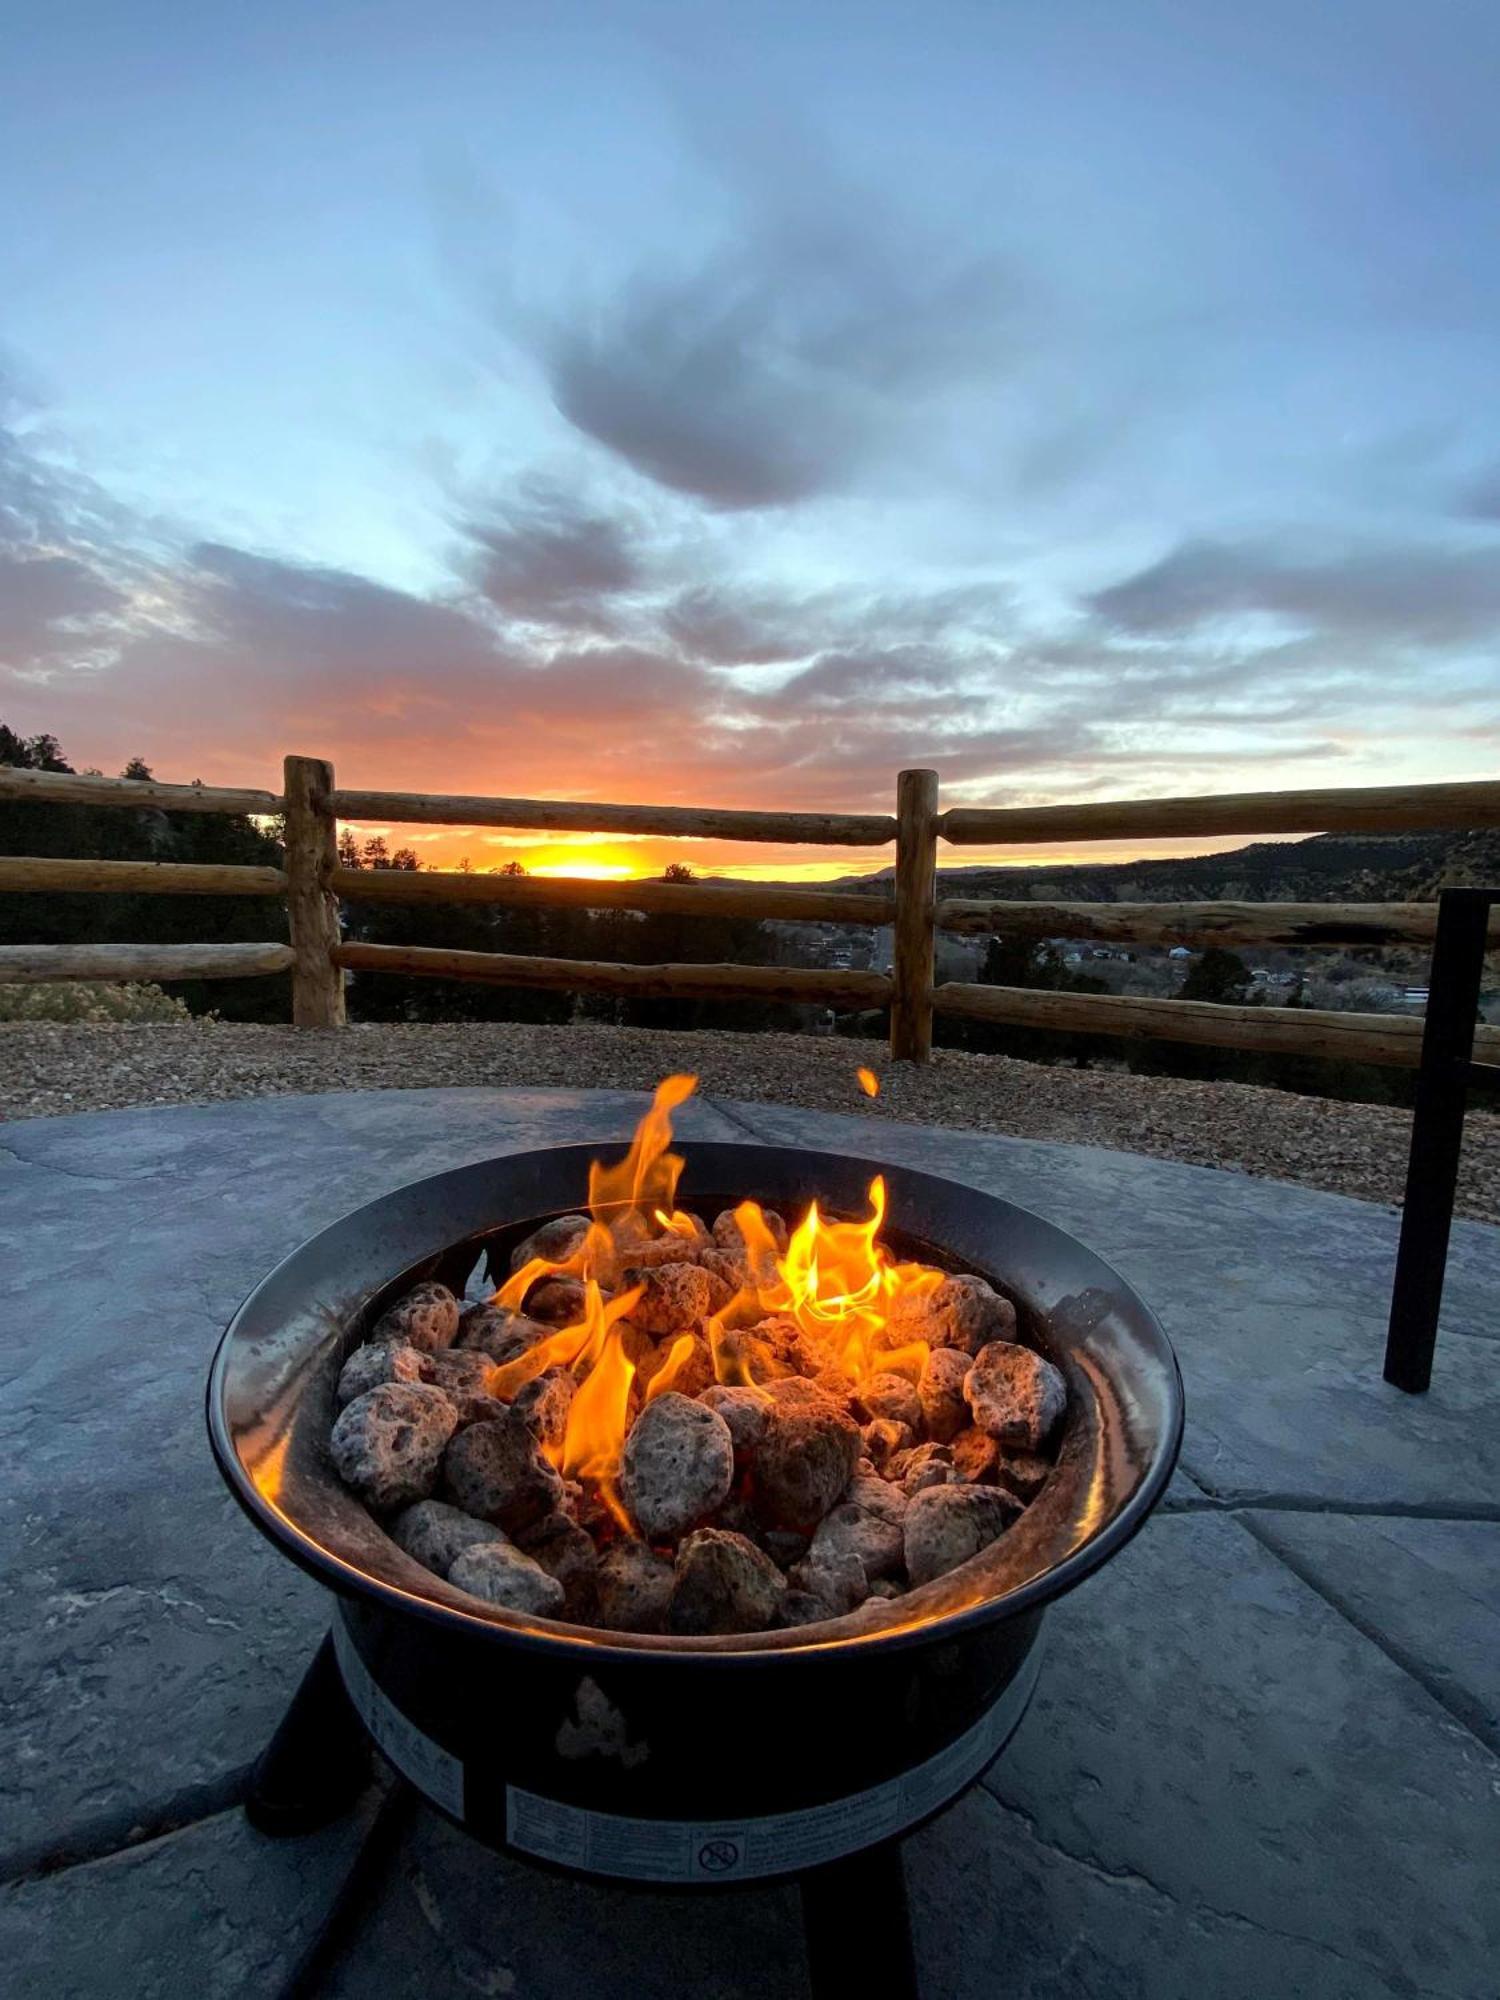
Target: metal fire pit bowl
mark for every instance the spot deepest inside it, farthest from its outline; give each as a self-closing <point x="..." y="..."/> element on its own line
<point x="690" y="1760"/>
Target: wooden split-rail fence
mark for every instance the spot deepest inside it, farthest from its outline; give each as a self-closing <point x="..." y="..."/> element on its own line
<point x="313" y="882"/>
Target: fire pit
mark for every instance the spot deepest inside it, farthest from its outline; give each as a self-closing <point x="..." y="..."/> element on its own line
<point x="690" y="1757"/>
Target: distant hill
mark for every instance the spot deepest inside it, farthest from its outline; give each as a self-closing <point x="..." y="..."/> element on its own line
<point x="1328" y="868"/>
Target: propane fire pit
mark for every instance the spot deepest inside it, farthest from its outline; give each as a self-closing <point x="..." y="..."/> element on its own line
<point x="698" y="1532"/>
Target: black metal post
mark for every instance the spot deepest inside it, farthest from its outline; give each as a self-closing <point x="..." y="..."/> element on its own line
<point x="1437" y="1135"/>
<point x="317" y="1763"/>
<point x="857" y="1924"/>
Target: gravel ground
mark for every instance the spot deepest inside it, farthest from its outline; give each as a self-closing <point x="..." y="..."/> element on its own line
<point x="1353" y="1149"/>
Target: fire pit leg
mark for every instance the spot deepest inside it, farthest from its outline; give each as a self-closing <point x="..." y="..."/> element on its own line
<point x="317" y="1763"/>
<point x="858" y="1927"/>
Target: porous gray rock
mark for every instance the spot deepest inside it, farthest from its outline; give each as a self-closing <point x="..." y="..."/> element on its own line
<point x="963" y="1311"/>
<point x="834" y="1576"/>
<point x="500" y="1573"/>
<point x="975" y="1455"/>
<point x="674" y="1296"/>
<point x="867" y="1525"/>
<point x="634" y="1588"/>
<point x="724" y="1583"/>
<point x="729" y="1236"/>
<point x="806" y="1458"/>
<point x="427" y="1318"/>
<point x="435" y="1534"/>
<point x="388" y="1443"/>
<point x="1016" y="1395"/>
<point x="746" y="1411"/>
<point x="566" y="1551"/>
<point x="925" y="1465"/>
<point x="890" y="1396"/>
<point x="555" y="1241"/>
<point x="678" y="1466"/>
<point x="940" y="1390"/>
<point x="885" y="1441"/>
<point x="496" y="1472"/>
<point x="692" y="1367"/>
<point x="557" y="1302"/>
<point x="542" y="1405"/>
<point x="378" y="1361"/>
<point x="1024" y="1472"/>
<point x="499" y="1334"/>
<point x="946" y="1525"/>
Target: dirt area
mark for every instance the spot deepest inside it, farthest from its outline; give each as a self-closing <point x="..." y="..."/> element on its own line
<point x="1353" y="1149"/>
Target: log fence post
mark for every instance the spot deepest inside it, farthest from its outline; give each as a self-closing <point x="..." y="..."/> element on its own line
<point x="913" y="956"/>
<point x="312" y="908"/>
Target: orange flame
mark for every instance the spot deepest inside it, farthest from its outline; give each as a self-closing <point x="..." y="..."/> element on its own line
<point x="869" y="1082"/>
<point x="645" y="1180"/>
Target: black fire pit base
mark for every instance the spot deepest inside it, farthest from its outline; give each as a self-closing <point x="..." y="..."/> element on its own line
<point x="318" y="1763"/>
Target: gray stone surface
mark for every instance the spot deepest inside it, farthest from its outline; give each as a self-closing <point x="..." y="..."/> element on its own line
<point x="212" y="1912"/>
<point x="455" y="1918"/>
<point x="1256" y="1765"/>
<point x="1430" y="1591"/>
<point x="1276" y="1299"/>
<point x="135" y="1588"/>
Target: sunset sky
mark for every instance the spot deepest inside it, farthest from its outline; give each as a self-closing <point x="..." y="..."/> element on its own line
<point x="732" y="404"/>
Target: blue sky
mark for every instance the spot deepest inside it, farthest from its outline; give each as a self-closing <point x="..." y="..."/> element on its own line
<point x="736" y="403"/>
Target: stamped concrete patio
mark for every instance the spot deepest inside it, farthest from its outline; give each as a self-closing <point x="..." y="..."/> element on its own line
<point x="1262" y="1760"/>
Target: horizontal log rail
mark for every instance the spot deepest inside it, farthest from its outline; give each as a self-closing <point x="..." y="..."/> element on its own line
<point x="1310" y="926"/>
<point x="41" y="964"/>
<point x="754" y="900"/>
<point x="579" y="816"/>
<point x="1390" y="1040"/>
<point x="1367" y="809"/>
<point x="68" y="788"/>
<point x="792" y="983"/>
<point x="26" y="875"/>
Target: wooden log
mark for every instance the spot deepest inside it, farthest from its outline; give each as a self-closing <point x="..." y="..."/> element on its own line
<point x="311" y="842"/>
<point x="912" y="954"/>
<point x="66" y="788"/>
<point x="1390" y="1040"/>
<point x="30" y="875"/>
<point x="1306" y="925"/>
<point x="1367" y="809"/>
<point x="581" y="816"/>
<point x="822" y="986"/>
<point x="41" y="964"/>
<point x="756" y="901"/>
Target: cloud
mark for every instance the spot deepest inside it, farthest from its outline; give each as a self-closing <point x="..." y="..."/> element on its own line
<point x="548" y="560"/>
<point x="1419" y="595"/>
<point x="800" y="346"/>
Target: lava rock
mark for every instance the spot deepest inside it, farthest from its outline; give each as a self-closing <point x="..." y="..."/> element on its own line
<point x="377" y="1362"/>
<point x="868" y="1526"/>
<point x="729" y="1236"/>
<point x="635" y="1588"/>
<point x="694" y="1373"/>
<point x="940" y="1391"/>
<point x="803" y="1607"/>
<point x="555" y="1241"/>
<point x="963" y="1312"/>
<point x="1025" y="1473"/>
<point x="1016" y="1395"/>
<point x="835" y="1576"/>
<point x="885" y="1441"/>
<point x="435" y="1534"/>
<point x="746" y="1411"/>
<point x="946" y="1525"/>
<point x="496" y="1472"/>
<point x="675" y="1296"/>
<point x="806" y="1458"/>
<point x="927" y="1465"/>
<point x="975" y="1455"/>
<point x="502" y="1574"/>
<point x="567" y="1552"/>
<point x="724" y="1278"/>
<point x="542" y="1405"/>
<point x="462" y="1369"/>
<point x="724" y="1583"/>
<point x="499" y="1334"/>
<point x="678" y="1466"/>
<point x="891" y="1397"/>
<point x="557" y="1302"/>
<point x="427" y="1318"/>
<point x="784" y="1545"/>
<point x="388" y="1443"/>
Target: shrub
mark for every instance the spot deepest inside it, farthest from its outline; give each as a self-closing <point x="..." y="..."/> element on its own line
<point x="69" y="1002"/>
